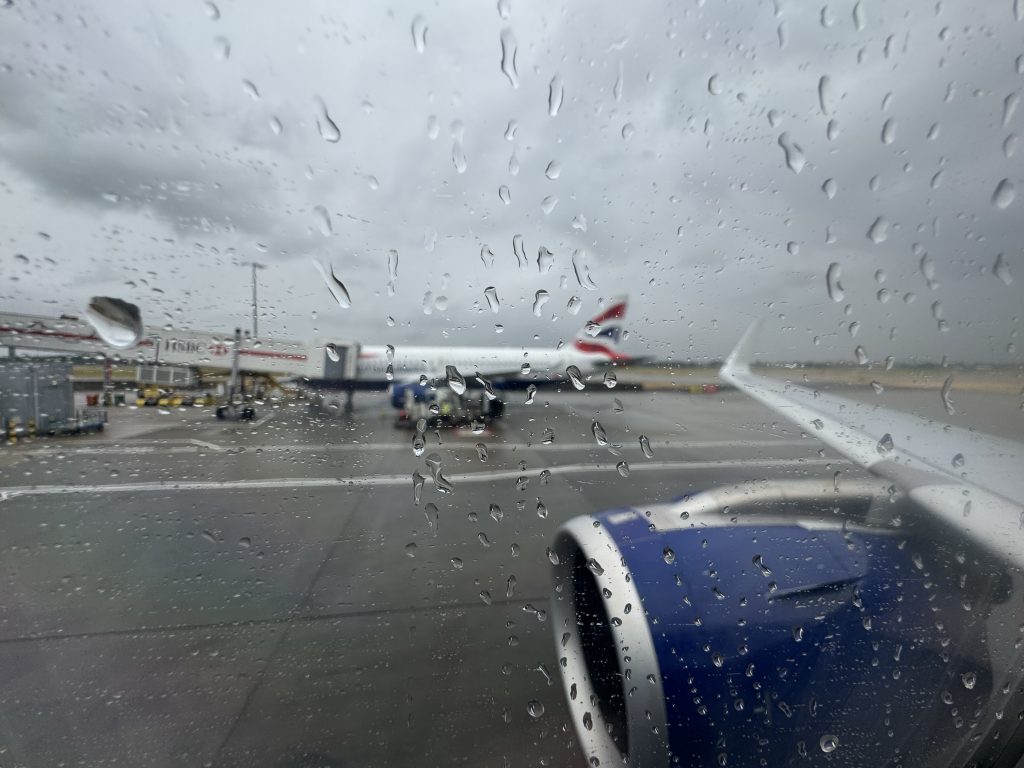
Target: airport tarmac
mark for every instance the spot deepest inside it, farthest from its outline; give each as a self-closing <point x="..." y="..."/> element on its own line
<point x="182" y="591"/>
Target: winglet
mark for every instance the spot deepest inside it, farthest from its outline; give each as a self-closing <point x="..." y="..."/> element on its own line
<point x="738" y="361"/>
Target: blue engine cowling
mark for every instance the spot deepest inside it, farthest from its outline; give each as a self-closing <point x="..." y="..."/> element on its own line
<point x="790" y="626"/>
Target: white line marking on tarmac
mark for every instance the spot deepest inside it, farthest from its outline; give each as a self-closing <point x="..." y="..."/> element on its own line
<point x="357" y="481"/>
<point x="210" y="446"/>
<point x="194" y="446"/>
<point x="263" y="419"/>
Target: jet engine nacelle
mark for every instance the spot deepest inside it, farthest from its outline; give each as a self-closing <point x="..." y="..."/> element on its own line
<point x="768" y="624"/>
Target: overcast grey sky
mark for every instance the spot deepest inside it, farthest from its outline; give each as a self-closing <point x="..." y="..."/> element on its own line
<point x="149" y="149"/>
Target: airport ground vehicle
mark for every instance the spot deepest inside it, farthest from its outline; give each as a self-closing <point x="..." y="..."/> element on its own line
<point x="441" y="407"/>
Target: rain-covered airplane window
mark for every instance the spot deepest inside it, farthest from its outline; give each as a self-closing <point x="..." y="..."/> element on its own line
<point x="511" y="383"/>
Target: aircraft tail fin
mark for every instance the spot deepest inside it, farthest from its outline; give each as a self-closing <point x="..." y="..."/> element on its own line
<point x="603" y="332"/>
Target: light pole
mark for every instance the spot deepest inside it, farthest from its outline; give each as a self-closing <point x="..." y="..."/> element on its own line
<point x="255" y="307"/>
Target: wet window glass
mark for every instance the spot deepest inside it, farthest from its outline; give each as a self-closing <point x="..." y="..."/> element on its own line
<point x="511" y="383"/>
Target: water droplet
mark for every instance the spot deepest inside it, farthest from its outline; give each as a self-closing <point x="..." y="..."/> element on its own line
<point x="419" y="34"/>
<point x="545" y="476"/>
<point x="456" y="382"/>
<point x="668" y="555"/>
<point x="539" y="300"/>
<point x="623" y="468"/>
<point x="495" y="512"/>
<point x="542" y="511"/>
<point x="595" y="567"/>
<point x="547" y="438"/>
<point x="878" y="232"/>
<point x="958" y="460"/>
<point x="947" y="401"/>
<point x="208" y="536"/>
<point x="1010" y="106"/>
<point x="969" y="679"/>
<point x="118" y="322"/>
<point x="889" y="131"/>
<point x="504" y="195"/>
<point x="323" y="218"/>
<point x="645" y="446"/>
<point x="419" y="443"/>
<point x="410" y="549"/>
<point x="249" y="89"/>
<point x="829" y="188"/>
<point x="795" y="159"/>
<point x="553" y="556"/>
<point x="519" y="250"/>
<point x="545" y="260"/>
<point x="861" y="354"/>
<point x="332" y="352"/>
<point x="485" y="595"/>
<point x="334" y="285"/>
<point x="555" y="95"/>
<point x="885" y="445"/>
<point x="491" y="294"/>
<point x="458" y="157"/>
<point x="509" y="51"/>
<point x="575" y="377"/>
<point x="417" y="487"/>
<point x="877" y="387"/>
<point x="833" y="284"/>
<point x="715" y="85"/>
<point x="1010" y="146"/>
<point x="758" y="561"/>
<point x="610" y="380"/>
<point x="599" y="434"/>
<point x="573" y="307"/>
<point x="328" y="128"/>
<point x="223" y="47"/>
<point x="828" y="742"/>
<point x="825" y="94"/>
<point x="548" y="204"/>
<point x="1003" y="194"/>
<point x="582" y="271"/>
<point x="531" y="392"/>
<point x="628" y="131"/>
<point x="1001" y="269"/>
<point x="535" y="708"/>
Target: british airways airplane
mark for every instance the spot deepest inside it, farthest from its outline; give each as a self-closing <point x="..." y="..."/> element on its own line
<point x="402" y="367"/>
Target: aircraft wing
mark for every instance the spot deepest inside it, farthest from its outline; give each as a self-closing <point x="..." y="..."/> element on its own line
<point x="971" y="479"/>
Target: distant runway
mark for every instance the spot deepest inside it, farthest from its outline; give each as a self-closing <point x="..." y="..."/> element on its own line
<point x="181" y="591"/>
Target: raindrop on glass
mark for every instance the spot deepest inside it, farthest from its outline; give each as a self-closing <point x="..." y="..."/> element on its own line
<point x="118" y="322"/>
<point x="509" y="52"/>
<point x="456" y="382"/>
<point x="328" y="128"/>
<point x="795" y="159"/>
<point x="555" y="95"/>
<point x="539" y="300"/>
<point x="645" y="446"/>
<point x="575" y="377"/>
<point x="1003" y="194"/>
<point x="878" y="232"/>
<point x="1001" y="269"/>
<point x="419" y="34"/>
<point x="833" y="284"/>
<point x="491" y="294"/>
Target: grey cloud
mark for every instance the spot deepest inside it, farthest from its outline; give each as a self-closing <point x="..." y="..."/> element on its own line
<point x="147" y="109"/>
